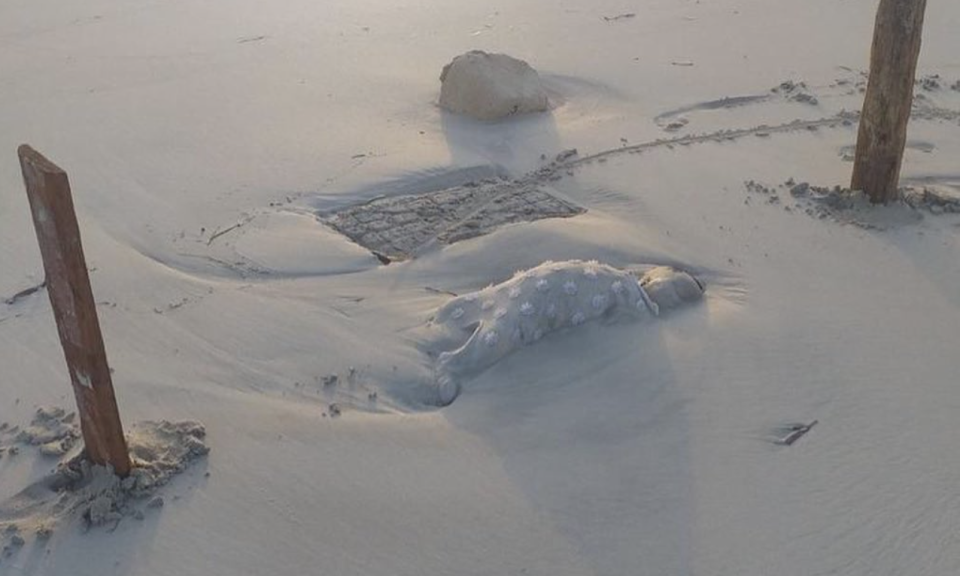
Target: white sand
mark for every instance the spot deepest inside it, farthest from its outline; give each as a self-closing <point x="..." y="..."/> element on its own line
<point x="637" y="448"/>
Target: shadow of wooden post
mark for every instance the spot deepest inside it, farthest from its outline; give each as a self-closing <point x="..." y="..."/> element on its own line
<point x="68" y="286"/>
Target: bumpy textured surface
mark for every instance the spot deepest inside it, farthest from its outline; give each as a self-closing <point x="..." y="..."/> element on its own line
<point x="400" y="227"/>
<point x="491" y="86"/>
<point x="51" y="429"/>
<point x="160" y="450"/>
<point x="503" y="318"/>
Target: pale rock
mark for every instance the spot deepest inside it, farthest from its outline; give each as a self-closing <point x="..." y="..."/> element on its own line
<point x="491" y="86"/>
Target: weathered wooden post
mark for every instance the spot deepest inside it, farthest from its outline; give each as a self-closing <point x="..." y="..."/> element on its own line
<point x="68" y="285"/>
<point x="886" y="106"/>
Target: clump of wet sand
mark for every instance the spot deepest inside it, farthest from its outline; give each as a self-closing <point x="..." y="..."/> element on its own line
<point x="843" y="205"/>
<point x="78" y="489"/>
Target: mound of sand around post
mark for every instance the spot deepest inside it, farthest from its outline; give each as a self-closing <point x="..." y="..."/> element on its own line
<point x="491" y="86"/>
<point x="79" y="490"/>
<point x="847" y="206"/>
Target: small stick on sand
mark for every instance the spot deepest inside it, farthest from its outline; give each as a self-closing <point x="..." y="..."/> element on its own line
<point x="216" y="235"/>
<point x="796" y="433"/>
<point x="440" y="291"/>
<point x="624" y="16"/>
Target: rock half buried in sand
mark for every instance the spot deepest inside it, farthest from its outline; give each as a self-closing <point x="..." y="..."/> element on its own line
<point x="491" y="86"/>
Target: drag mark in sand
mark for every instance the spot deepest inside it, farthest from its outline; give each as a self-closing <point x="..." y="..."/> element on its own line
<point x="843" y="118"/>
<point x="404" y="227"/>
<point x="721" y="104"/>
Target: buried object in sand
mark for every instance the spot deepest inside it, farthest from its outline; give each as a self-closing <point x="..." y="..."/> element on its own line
<point x="480" y="328"/>
<point x="491" y="86"/>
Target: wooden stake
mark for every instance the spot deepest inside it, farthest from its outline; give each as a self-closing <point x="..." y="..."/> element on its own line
<point x="886" y="106"/>
<point x="68" y="285"/>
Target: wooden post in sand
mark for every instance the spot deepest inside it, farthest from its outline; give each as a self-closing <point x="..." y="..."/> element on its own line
<point x="886" y="106"/>
<point x="68" y="285"/>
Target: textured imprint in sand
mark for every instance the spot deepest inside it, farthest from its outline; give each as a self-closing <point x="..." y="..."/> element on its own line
<point x="503" y="318"/>
<point x="399" y="228"/>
